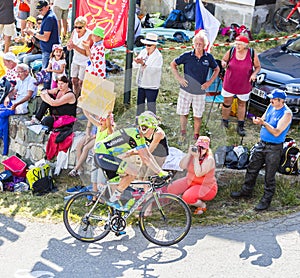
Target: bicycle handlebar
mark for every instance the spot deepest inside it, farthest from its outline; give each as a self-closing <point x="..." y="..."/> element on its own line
<point x="159" y="182"/>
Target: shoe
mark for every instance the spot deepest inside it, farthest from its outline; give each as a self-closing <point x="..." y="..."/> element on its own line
<point x="240" y="194"/>
<point x="240" y="129"/>
<point x="262" y="205"/>
<point x="33" y="121"/>
<point x="225" y="123"/>
<point x="182" y="139"/>
<point x="75" y="189"/>
<point x="73" y="173"/>
<point x="116" y="205"/>
<point x="199" y="211"/>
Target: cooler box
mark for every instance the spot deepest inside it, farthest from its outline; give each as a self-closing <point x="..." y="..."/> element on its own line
<point x="15" y="165"/>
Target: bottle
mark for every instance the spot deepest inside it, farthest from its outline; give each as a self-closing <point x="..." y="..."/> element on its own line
<point x="129" y="204"/>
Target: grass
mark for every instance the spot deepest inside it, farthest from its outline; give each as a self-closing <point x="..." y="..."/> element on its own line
<point x="221" y="210"/>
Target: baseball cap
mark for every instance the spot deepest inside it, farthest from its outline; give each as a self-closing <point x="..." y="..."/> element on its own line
<point x="41" y="4"/>
<point x="57" y="46"/>
<point x="9" y="56"/>
<point x="31" y="19"/>
<point x="203" y="141"/>
<point x="98" y="31"/>
<point x="277" y="94"/>
<point x="242" y="39"/>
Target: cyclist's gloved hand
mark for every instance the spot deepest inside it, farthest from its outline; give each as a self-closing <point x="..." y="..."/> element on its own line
<point x="164" y="175"/>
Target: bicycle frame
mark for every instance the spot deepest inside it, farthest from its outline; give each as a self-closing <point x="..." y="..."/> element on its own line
<point x="297" y="5"/>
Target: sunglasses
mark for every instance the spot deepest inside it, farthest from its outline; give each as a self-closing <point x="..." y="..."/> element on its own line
<point x="149" y="45"/>
<point x="78" y="27"/>
<point x="202" y="148"/>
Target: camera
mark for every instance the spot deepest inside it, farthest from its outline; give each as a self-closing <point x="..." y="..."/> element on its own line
<point x="194" y="149"/>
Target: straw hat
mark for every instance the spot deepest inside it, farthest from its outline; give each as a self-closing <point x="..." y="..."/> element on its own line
<point x="151" y="38"/>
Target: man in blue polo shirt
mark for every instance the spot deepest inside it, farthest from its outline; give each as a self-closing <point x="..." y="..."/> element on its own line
<point x="196" y="65"/>
<point x="275" y="124"/>
<point x="48" y="34"/>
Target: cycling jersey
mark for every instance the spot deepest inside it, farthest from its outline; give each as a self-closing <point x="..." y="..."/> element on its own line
<point x="120" y="142"/>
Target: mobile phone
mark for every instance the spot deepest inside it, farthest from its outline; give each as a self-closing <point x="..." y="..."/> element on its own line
<point x="194" y="149"/>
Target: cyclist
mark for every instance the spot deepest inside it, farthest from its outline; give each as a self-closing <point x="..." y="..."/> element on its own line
<point x="110" y="151"/>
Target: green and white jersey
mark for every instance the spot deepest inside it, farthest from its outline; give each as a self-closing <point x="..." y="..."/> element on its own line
<point x="121" y="141"/>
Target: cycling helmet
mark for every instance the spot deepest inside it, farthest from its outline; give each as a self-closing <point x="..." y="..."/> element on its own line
<point x="147" y="120"/>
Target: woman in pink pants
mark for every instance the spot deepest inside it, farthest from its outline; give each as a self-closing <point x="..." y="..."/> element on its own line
<point x="200" y="184"/>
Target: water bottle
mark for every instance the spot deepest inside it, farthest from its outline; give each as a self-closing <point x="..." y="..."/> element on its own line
<point x="129" y="204"/>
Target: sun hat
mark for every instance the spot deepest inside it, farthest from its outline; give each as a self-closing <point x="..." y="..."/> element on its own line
<point x="243" y="39"/>
<point x="57" y="46"/>
<point x="31" y="19"/>
<point x="151" y="38"/>
<point x="9" y="56"/>
<point x="41" y="4"/>
<point x="98" y="31"/>
<point x="277" y="94"/>
<point x="203" y="141"/>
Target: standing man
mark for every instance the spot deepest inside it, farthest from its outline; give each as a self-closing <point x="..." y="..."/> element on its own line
<point x="61" y="10"/>
<point x="275" y="124"/>
<point x="196" y="65"/>
<point x="7" y="22"/>
<point x="48" y="34"/>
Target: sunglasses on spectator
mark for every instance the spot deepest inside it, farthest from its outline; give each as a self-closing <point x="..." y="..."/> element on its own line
<point x="78" y="27"/>
<point x="148" y="45"/>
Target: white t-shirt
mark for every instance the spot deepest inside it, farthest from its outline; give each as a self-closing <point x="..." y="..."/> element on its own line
<point x="63" y="4"/>
<point x="78" y="58"/>
<point x="56" y="65"/>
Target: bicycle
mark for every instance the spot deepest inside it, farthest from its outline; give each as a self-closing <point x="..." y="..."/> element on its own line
<point x="164" y="219"/>
<point x="286" y="18"/>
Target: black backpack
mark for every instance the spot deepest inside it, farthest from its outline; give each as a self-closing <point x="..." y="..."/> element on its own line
<point x="289" y="159"/>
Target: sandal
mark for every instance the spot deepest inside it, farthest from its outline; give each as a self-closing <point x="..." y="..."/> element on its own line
<point x="73" y="173"/>
<point x="199" y="211"/>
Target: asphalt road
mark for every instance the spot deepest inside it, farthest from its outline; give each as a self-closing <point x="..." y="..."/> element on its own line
<point x="260" y="249"/>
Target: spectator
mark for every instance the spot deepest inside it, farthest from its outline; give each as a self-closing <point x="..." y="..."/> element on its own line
<point x="34" y="43"/>
<point x="275" y="124"/>
<point x="57" y="64"/>
<point x="25" y="39"/>
<point x="80" y="57"/>
<point x="149" y="63"/>
<point x="82" y="149"/>
<point x="24" y="90"/>
<point x="5" y="112"/>
<point x="96" y="53"/>
<point x="61" y="10"/>
<point x="48" y="34"/>
<point x="196" y="64"/>
<point x="7" y="22"/>
<point x="10" y="62"/>
<point x="105" y="127"/>
<point x="200" y="183"/>
<point x="240" y="73"/>
<point x="60" y="101"/>
<point x="23" y="14"/>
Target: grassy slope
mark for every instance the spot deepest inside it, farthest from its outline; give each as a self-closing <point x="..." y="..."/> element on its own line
<point x="222" y="209"/>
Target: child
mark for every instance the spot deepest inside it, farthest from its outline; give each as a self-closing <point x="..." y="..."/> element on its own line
<point x="57" y="64"/>
<point x="96" y="64"/>
<point x="105" y="127"/>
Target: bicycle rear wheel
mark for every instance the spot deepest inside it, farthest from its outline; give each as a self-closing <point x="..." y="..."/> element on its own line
<point x="167" y="222"/>
<point x="279" y="22"/>
<point x="87" y="223"/>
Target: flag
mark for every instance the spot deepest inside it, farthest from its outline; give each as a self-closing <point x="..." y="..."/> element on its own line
<point x="205" y="20"/>
<point x="112" y="16"/>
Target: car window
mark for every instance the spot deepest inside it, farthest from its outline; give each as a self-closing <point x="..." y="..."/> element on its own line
<point x="294" y="46"/>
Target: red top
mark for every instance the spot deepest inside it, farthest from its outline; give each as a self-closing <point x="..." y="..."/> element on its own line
<point x="23" y="7"/>
<point x="237" y="76"/>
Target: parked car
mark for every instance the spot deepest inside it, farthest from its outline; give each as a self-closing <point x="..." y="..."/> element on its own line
<point x="280" y="68"/>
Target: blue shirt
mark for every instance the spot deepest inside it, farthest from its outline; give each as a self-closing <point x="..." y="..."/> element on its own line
<point x="196" y="70"/>
<point x="272" y="117"/>
<point x="49" y="24"/>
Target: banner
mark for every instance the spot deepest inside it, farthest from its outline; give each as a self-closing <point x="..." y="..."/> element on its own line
<point x="205" y="20"/>
<point x="97" y="95"/>
<point x="110" y="15"/>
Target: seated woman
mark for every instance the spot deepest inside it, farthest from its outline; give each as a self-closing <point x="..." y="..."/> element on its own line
<point x="200" y="183"/>
<point x="60" y="101"/>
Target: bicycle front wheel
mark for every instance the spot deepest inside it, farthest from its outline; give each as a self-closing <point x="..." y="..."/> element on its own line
<point x="279" y="22"/>
<point x="87" y="223"/>
<point x="165" y="221"/>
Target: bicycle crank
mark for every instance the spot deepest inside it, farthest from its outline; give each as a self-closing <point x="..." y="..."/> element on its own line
<point x="117" y="223"/>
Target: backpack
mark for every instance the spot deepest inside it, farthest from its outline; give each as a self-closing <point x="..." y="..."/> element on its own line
<point x="175" y="20"/>
<point x="237" y="157"/>
<point x="180" y="36"/>
<point x="289" y="159"/>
